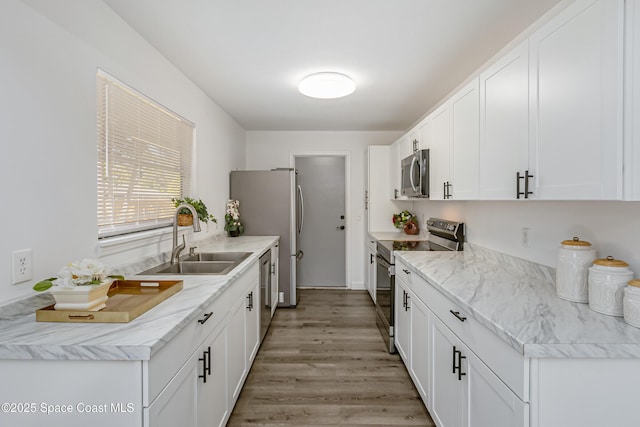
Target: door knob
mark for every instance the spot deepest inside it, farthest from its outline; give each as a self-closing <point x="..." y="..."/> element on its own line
<point x="340" y="227"/>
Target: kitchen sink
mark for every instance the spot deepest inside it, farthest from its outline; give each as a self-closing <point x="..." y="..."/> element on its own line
<point x="217" y="263"/>
<point x="237" y="257"/>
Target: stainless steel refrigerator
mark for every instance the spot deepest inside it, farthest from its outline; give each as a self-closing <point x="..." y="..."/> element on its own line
<point x="272" y="204"/>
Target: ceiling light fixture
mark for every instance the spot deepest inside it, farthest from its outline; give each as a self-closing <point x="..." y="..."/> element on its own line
<point x="327" y="85"/>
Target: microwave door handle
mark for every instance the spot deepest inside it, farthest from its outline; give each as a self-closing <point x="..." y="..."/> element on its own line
<point x="414" y="160"/>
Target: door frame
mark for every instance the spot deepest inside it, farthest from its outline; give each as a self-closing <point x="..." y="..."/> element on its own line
<point x="347" y="202"/>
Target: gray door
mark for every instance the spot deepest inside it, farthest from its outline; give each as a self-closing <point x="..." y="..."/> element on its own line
<point x="322" y="240"/>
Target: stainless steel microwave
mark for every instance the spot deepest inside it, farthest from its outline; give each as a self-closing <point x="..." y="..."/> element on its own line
<point x="414" y="173"/>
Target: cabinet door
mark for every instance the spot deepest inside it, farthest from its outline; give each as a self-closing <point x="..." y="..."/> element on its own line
<point x="213" y="396"/>
<point x="576" y="102"/>
<point x="252" y="332"/>
<point x="402" y="328"/>
<point x="504" y="124"/>
<point x="447" y="391"/>
<point x="177" y="404"/>
<point x="371" y="269"/>
<point x="275" y="277"/>
<point x="438" y="130"/>
<point x="465" y="142"/>
<point x="419" y="347"/>
<point x="379" y="180"/>
<point x="237" y="347"/>
<point x="632" y="102"/>
<point x="490" y="401"/>
<point x="394" y="169"/>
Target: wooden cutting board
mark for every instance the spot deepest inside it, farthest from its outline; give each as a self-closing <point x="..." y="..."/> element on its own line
<point x="128" y="299"/>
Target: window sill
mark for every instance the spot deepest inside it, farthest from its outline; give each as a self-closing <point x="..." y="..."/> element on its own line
<point x="119" y="244"/>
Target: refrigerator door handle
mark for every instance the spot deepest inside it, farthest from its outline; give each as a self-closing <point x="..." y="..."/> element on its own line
<point x="301" y="212"/>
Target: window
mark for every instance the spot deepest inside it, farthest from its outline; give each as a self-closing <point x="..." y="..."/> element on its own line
<point x="144" y="159"/>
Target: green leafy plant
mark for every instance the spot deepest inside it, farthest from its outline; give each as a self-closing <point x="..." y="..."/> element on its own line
<point x="198" y="205"/>
<point x="400" y="219"/>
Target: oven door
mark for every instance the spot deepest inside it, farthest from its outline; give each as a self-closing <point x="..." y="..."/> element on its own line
<point x="385" y="290"/>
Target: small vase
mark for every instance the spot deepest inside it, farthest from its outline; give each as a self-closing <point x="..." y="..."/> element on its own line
<point x="411" y="227"/>
<point x="85" y="298"/>
<point x="234" y="233"/>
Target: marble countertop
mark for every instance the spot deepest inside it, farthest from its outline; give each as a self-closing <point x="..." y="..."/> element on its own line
<point x="516" y="300"/>
<point x="21" y="337"/>
<point x="396" y="235"/>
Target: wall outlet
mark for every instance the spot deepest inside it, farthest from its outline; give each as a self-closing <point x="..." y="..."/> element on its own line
<point x="21" y="266"/>
<point x="281" y="297"/>
<point x="525" y="237"/>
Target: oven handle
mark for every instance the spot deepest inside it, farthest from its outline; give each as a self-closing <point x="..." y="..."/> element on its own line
<point x="391" y="271"/>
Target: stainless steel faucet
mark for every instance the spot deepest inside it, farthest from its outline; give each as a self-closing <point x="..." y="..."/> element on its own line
<point x="175" y="248"/>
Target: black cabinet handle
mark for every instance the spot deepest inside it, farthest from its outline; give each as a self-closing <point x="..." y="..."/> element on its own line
<point x="206" y="364"/>
<point x="526" y="191"/>
<point x="457" y="314"/>
<point x="205" y="318"/>
<point x="460" y="373"/>
<point x="453" y="362"/>
<point x="406" y="307"/>
<point x="370" y="258"/>
<point x="250" y="301"/>
<point x="406" y="271"/>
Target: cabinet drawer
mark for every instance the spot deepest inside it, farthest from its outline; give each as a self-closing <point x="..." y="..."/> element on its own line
<point x="509" y="365"/>
<point x="404" y="273"/>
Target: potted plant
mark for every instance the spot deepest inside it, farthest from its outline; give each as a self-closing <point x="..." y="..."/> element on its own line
<point x="232" y="224"/>
<point x="79" y="286"/>
<point x="407" y="221"/>
<point x="184" y="216"/>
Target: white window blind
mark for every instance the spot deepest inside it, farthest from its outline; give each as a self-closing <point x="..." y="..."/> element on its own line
<point x="144" y="159"/>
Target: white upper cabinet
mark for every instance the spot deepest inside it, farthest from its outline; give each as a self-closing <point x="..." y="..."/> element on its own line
<point x="632" y="101"/>
<point x="504" y="124"/>
<point x="400" y="149"/>
<point x="576" y="65"/>
<point x="436" y="131"/>
<point x="465" y="142"/>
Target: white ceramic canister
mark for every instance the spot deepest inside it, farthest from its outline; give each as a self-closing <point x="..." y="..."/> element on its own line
<point x="574" y="259"/>
<point x="631" y="303"/>
<point x="607" y="279"/>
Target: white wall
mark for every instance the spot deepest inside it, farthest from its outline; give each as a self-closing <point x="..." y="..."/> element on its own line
<point x="266" y="150"/>
<point x="49" y="54"/>
<point x="613" y="228"/>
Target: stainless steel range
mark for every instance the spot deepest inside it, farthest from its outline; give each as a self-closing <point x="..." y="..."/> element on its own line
<point x="443" y="236"/>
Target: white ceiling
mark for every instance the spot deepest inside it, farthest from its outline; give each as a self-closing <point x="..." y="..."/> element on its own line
<point x="405" y="55"/>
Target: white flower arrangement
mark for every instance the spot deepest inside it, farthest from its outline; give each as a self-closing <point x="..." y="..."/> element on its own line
<point x="84" y="273"/>
<point x="232" y="217"/>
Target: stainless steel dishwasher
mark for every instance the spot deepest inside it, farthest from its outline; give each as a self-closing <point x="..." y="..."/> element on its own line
<point x="265" y="293"/>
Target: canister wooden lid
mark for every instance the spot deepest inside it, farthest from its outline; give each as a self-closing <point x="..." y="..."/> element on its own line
<point x="634" y="282"/>
<point x="576" y="242"/>
<point x="610" y="262"/>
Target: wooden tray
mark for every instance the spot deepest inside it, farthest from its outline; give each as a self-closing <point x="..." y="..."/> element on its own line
<point x="127" y="300"/>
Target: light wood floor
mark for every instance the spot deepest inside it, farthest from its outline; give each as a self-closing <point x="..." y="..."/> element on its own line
<point x="324" y="363"/>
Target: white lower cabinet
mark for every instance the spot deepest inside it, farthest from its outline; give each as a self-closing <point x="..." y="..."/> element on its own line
<point x="465" y="392"/>
<point x="402" y="327"/>
<point x="193" y="381"/>
<point x="440" y="344"/>
<point x="371" y="268"/>
<point x="243" y="338"/>
<point x="447" y="391"/>
<point x="177" y="404"/>
<point x="213" y="399"/>
<point x="411" y="334"/>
